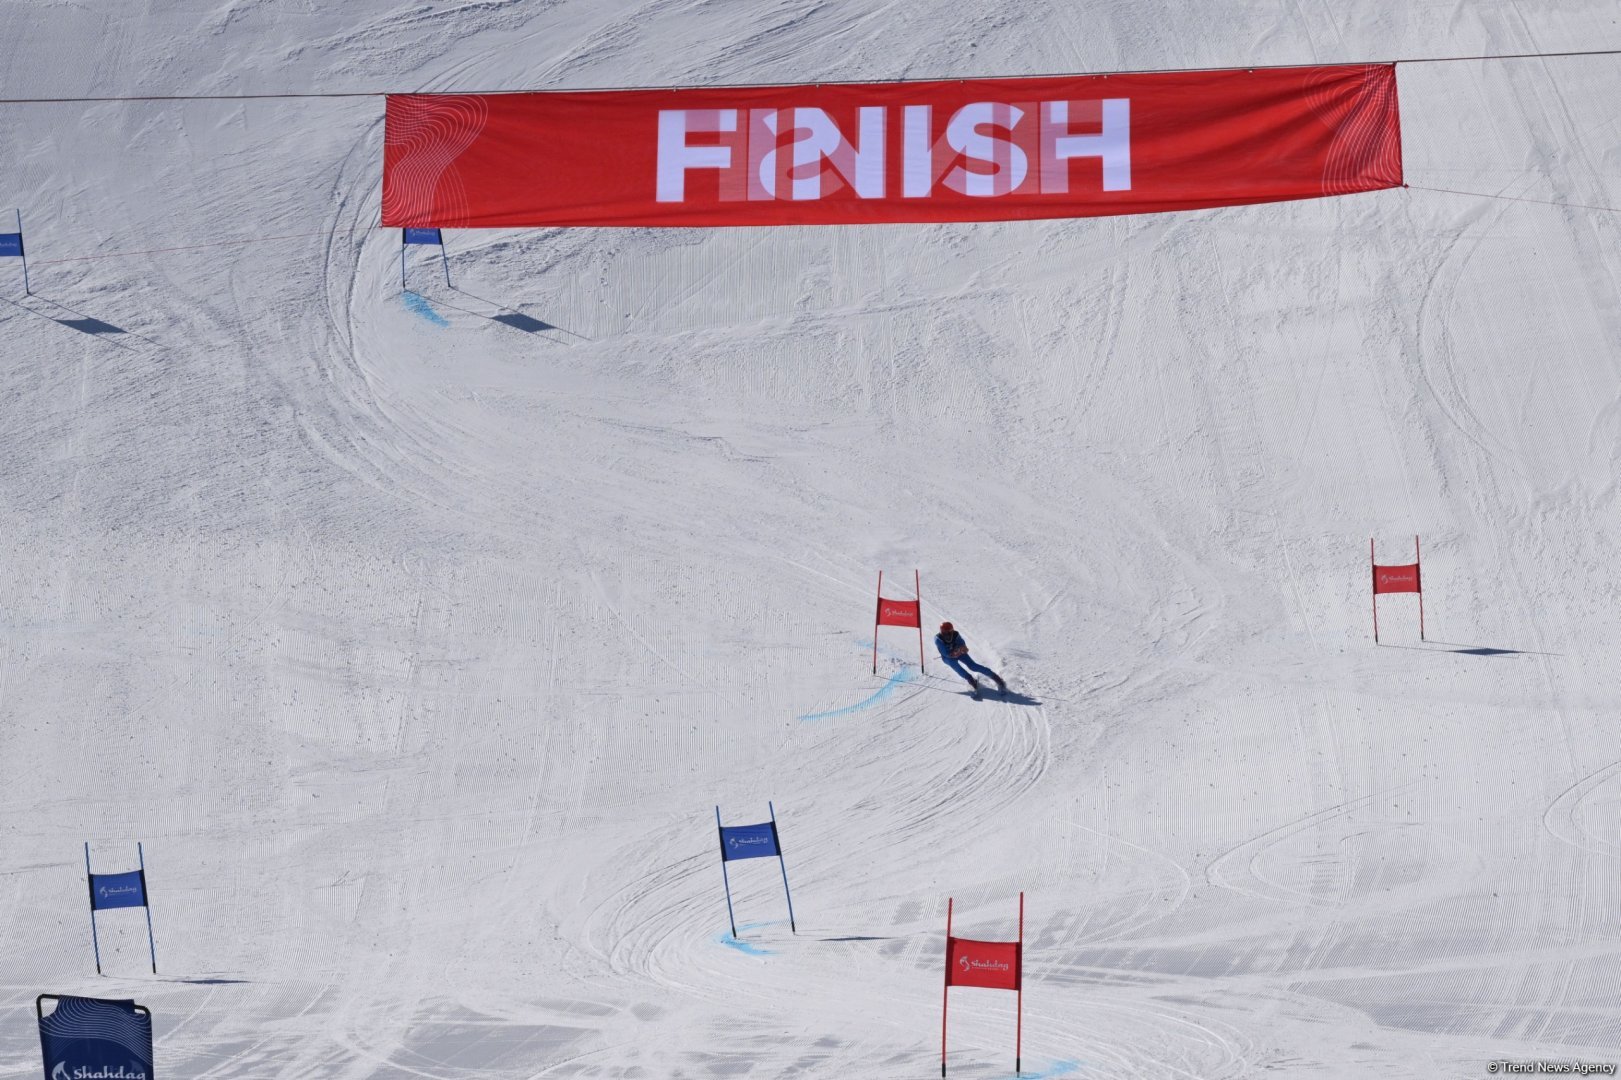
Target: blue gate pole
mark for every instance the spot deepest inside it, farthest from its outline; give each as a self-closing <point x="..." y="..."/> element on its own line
<point x="784" y="864"/>
<point x="724" y="876"/>
<point x="402" y="260"/>
<point x="90" y="881"/>
<point x="444" y="259"/>
<point x="146" y="896"/>
<point x="29" y="292"/>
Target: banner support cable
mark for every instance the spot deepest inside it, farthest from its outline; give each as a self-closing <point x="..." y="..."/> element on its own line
<point x="314" y="95"/>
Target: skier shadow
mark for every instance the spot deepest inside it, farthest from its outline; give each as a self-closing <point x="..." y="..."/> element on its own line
<point x="1012" y="697"/>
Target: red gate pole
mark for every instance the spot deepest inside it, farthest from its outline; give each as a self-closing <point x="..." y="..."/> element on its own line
<point x="878" y="613"/>
<point x="917" y="587"/>
<point x="945" y="995"/>
<point x="1375" y="595"/>
<point x="1418" y="573"/>
<point x="1018" y="1037"/>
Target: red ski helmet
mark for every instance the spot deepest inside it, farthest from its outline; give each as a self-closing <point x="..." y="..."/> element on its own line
<point x="946" y="628"/>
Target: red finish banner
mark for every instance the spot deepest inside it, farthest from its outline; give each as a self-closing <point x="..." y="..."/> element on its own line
<point x="994" y="964"/>
<point x="961" y="150"/>
<point x="1395" y="579"/>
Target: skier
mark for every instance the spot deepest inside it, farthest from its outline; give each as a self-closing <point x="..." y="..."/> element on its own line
<point x="954" y="651"/>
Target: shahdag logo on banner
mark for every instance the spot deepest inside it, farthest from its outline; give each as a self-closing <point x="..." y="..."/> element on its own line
<point x="119" y="890"/>
<point x="749" y="841"/>
<point x="109" y="891"/>
<point x="758" y="841"/>
<point x="94" y="1039"/>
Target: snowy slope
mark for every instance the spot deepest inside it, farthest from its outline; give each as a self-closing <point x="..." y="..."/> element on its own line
<point x="417" y="647"/>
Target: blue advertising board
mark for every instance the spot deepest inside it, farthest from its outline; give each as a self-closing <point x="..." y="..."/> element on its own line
<point x="748" y="841"/>
<point x="95" y="1039"/>
<point x="118" y="890"/>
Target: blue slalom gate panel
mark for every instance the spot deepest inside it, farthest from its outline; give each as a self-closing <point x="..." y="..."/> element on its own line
<point x="751" y="842"/>
<point x="95" y="1038"/>
<point x="11" y="244"/>
<point x="423" y="236"/>
<point x="118" y="890"/>
<point x="748" y="841"/>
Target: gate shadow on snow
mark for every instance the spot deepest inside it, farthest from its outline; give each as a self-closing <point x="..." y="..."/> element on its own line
<point x="1465" y="650"/>
<point x="85" y="324"/>
<point x="509" y="316"/>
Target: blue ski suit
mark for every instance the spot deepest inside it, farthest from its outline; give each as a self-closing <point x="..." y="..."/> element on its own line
<point x="955" y="653"/>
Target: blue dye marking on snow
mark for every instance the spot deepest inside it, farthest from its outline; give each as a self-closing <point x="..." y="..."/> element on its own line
<point x="743" y="946"/>
<point x="1057" y="1068"/>
<point x="904" y="675"/>
<point x="420" y="305"/>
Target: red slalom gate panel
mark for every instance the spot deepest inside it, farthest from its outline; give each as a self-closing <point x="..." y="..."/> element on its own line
<point x="1396" y="578"/>
<point x="908" y="613"/>
<point x="1403" y="578"/>
<point x="898" y="613"/>
<point x="949" y="150"/>
<point x="994" y="965"/>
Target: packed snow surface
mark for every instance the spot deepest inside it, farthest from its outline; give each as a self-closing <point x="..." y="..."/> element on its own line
<point x="417" y="636"/>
